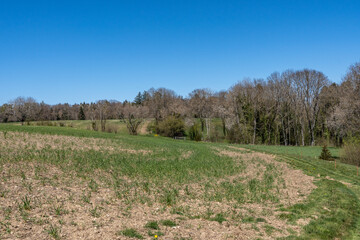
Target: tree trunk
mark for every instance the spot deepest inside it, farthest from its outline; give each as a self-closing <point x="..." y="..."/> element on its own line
<point x="289" y="130"/>
<point x="312" y="134"/>
<point x="208" y="123"/>
<point x="223" y="126"/>
<point x="302" y="135"/>
<point x="284" y="131"/>
<point x="237" y="114"/>
<point x="202" y="124"/>
<point x="254" y="135"/>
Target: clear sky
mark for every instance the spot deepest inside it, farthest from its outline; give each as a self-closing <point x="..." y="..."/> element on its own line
<point x="74" y="51"/>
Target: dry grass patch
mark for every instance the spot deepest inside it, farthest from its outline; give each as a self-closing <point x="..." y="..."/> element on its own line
<point x="186" y="154"/>
<point x="64" y="206"/>
<point x="295" y="186"/>
<point x="15" y="141"/>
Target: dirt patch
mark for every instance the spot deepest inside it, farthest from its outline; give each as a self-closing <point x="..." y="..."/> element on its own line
<point x="74" y="208"/>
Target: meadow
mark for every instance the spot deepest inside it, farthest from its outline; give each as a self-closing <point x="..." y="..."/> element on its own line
<point x="73" y="183"/>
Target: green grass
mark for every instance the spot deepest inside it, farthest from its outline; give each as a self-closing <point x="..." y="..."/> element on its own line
<point x="336" y="205"/>
<point x="26" y="203"/>
<point x="82" y="124"/>
<point x="152" y="225"/>
<point x="130" y="232"/>
<point x="147" y="167"/>
<point x="294" y="151"/>
<point x="337" y="209"/>
<point x="54" y="232"/>
<point x="218" y="218"/>
<point x="168" y="223"/>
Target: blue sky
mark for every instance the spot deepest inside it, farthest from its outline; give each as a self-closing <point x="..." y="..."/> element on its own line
<point x="75" y="51"/>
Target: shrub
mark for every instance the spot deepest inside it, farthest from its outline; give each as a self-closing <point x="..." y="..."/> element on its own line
<point x="351" y="153"/>
<point x="171" y="126"/>
<point x="216" y="133"/>
<point x="45" y="123"/>
<point x="132" y="124"/>
<point x="111" y="128"/>
<point x="325" y="154"/>
<point x="234" y="134"/>
<point x="151" y="127"/>
<point x="195" y="133"/>
<point x="94" y="125"/>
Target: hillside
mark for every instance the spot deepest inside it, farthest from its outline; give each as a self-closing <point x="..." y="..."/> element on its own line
<point x="70" y="183"/>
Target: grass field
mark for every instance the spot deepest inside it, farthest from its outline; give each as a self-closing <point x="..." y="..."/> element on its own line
<point x="72" y="183"/>
<point x="120" y="126"/>
<point x="117" y="124"/>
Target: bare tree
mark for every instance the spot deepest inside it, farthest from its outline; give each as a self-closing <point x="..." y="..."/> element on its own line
<point x="24" y="109"/>
<point x="102" y="107"/>
<point x="201" y="106"/>
<point x="221" y="108"/>
<point x="159" y="101"/>
<point x="309" y="84"/>
<point x="6" y="112"/>
<point x="133" y="117"/>
<point x="345" y="117"/>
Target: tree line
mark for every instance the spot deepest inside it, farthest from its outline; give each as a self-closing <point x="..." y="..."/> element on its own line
<point x="290" y="108"/>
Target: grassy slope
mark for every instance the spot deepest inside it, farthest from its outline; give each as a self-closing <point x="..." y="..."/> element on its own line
<point x="188" y="170"/>
<point x="336" y="200"/>
<point x="335" y="204"/>
<point x="83" y="124"/>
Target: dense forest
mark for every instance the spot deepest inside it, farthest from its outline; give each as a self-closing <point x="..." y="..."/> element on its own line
<point x="290" y="108"/>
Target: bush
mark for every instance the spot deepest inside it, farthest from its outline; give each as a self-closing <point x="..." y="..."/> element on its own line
<point x="216" y="134"/>
<point x="171" y="126"/>
<point x="45" y="123"/>
<point x="350" y="153"/>
<point x="325" y="154"/>
<point x="111" y="128"/>
<point x="234" y="135"/>
<point x="195" y="133"/>
<point x="94" y="126"/>
<point x="151" y="127"/>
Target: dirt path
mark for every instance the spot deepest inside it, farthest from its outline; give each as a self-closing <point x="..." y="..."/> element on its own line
<point x="144" y="125"/>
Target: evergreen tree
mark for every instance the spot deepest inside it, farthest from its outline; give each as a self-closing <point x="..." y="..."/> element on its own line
<point x="81" y="115"/>
<point x="325" y="154"/>
<point x="138" y="99"/>
<point x="145" y="96"/>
